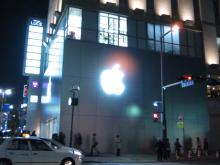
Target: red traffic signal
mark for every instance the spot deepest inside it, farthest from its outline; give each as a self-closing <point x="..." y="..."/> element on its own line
<point x="187" y="77"/>
<point x="156" y="116"/>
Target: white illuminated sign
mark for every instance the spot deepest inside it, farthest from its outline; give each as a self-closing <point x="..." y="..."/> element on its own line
<point x="33" y="99"/>
<point x="34" y="47"/>
<point x="112" y="81"/>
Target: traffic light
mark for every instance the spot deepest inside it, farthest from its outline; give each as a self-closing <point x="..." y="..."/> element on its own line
<point x="156" y="116"/>
<point x="187" y="77"/>
<point x="74" y="101"/>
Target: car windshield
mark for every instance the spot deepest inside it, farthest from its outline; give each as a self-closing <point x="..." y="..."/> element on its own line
<point x="52" y="143"/>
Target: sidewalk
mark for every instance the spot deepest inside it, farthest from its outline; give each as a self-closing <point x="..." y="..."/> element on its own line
<point x="128" y="158"/>
<point x="143" y="158"/>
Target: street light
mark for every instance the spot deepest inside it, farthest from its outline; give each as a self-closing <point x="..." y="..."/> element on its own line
<point x="73" y="102"/>
<point x="4" y="92"/>
<point x="174" y="27"/>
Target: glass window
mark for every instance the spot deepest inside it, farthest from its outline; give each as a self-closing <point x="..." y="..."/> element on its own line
<point x="74" y="23"/>
<point x="176" y="37"/>
<point x="18" y="144"/>
<point x="150" y="31"/>
<point x="176" y="49"/>
<point x="168" y="48"/>
<point x="167" y="37"/>
<point x="157" y="32"/>
<point x="218" y="43"/>
<point x="171" y="39"/>
<point x="39" y="145"/>
<point x="113" y="30"/>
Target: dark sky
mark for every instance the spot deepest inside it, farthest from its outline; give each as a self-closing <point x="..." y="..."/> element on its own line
<point x="13" y="24"/>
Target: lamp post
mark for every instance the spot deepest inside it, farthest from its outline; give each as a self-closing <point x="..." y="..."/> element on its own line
<point x="3" y="92"/>
<point x="73" y="101"/>
<point x="175" y="27"/>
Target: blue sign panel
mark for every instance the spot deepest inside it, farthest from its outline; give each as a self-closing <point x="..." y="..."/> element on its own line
<point x="186" y="83"/>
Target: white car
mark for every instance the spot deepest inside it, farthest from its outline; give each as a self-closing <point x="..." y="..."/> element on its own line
<point x="36" y="151"/>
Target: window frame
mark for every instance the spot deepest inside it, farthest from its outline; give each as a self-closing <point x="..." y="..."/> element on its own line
<point x="111" y="29"/>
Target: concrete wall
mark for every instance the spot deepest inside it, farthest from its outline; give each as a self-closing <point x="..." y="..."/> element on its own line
<point x="129" y="114"/>
<point x="209" y="32"/>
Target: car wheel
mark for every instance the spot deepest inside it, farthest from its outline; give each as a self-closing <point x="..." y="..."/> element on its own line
<point x="68" y="162"/>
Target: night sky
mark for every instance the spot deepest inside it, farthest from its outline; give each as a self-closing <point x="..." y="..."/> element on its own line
<point x="14" y="16"/>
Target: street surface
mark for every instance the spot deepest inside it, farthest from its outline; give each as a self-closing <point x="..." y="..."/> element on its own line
<point x="161" y="163"/>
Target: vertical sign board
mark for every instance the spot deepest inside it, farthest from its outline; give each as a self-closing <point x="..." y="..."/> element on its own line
<point x="25" y="91"/>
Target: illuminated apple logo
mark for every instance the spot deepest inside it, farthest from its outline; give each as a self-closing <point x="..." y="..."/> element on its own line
<point x="112" y="81"/>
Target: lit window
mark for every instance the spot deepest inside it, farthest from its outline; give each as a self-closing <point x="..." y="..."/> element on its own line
<point x="33" y="99"/>
<point x="32" y="70"/>
<point x="137" y="4"/>
<point x="34" y="56"/>
<point x="111" y="1"/>
<point x="34" y="42"/>
<point x="74" y="23"/>
<point x="34" y="49"/>
<point x="33" y="63"/>
<point x="171" y="39"/>
<point x="35" y="36"/>
<point x="36" y="29"/>
<point x="218" y="43"/>
<point x="113" y="30"/>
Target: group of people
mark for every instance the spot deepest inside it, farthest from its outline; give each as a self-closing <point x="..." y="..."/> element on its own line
<point x="163" y="148"/>
<point x="94" y="144"/>
<point x="200" y="149"/>
<point x="94" y="147"/>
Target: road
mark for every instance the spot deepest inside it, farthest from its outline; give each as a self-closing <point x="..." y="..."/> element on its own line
<point x="161" y="163"/>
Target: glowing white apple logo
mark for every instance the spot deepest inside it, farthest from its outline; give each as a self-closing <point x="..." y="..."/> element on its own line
<point x="112" y="80"/>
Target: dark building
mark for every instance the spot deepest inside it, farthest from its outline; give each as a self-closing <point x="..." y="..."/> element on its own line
<point x="126" y="39"/>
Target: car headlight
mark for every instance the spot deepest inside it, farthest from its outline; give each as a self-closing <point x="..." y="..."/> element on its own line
<point x="78" y="153"/>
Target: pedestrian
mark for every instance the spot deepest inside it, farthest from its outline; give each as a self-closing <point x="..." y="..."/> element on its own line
<point x="205" y="146"/>
<point x="55" y="137"/>
<point x="78" y="140"/>
<point x="62" y="138"/>
<point x="94" y="145"/>
<point x="118" y="145"/>
<point x="189" y="148"/>
<point x="166" y="149"/>
<point x="198" y="147"/>
<point x="177" y="148"/>
<point x="159" y="148"/>
<point x="33" y="133"/>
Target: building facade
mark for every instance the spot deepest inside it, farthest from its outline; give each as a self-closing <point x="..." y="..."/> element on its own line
<point x="81" y="39"/>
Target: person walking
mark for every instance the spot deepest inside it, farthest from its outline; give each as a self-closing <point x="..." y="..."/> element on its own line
<point x="159" y="148"/>
<point x="177" y="148"/>
<point x="198" y="147"/>
<point x="94" y="145"/>
<point x="166" y="149"/>
<point x="33" y="133"/>
<point x="62" y="138"/>
<point x="205" y="147"/>
<point x="78" y="140"/>
<point x="118" y="145"/>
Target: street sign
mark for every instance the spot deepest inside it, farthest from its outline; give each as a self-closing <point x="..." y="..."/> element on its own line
<point x="186" y="83"/>
<point x="180" y="124"/>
